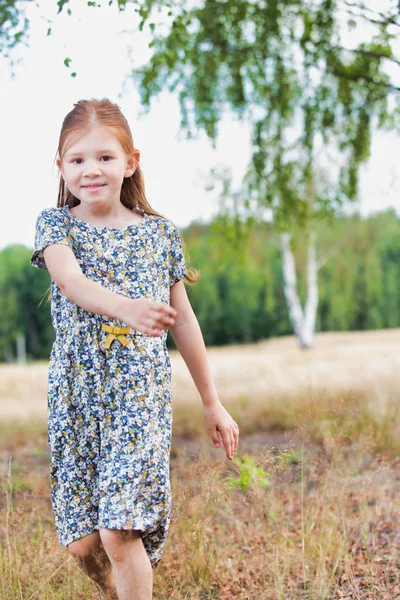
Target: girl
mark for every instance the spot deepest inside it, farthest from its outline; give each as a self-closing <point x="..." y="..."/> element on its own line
<point x="117" y="269"/>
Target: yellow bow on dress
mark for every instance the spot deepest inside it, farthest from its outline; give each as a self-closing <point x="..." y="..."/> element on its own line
<point x="115" y="333"/>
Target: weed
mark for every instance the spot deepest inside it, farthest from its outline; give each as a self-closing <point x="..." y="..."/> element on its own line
<point x="249" y="475"/>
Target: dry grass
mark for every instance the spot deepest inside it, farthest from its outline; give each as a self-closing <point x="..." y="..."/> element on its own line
<point x="268" y="373"/>
<point x="274" y="370"/>
<point x="323" y="424"/>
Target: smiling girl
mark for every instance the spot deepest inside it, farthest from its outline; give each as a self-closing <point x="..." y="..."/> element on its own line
<point x="117" y="272"/>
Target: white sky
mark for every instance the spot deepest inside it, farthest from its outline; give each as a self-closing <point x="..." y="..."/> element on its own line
<point x="34" y="102"/>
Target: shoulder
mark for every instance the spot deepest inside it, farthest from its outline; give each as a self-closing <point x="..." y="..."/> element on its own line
<point x="165" y="227"/>
<point x="52" y="216"/>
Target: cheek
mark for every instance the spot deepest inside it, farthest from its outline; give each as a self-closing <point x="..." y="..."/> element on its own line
<point x="70" y="175"/>
<point x="65" y="172"/>
<point x="72" y="184"/>
<point x="116" y="175"/>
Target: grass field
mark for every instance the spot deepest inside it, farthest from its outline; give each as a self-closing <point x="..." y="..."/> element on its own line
<point x="309" y="510"/>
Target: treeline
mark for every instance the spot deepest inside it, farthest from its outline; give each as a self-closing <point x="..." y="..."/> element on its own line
<point x="239" y="297"/>
<point x="242" y="299"/>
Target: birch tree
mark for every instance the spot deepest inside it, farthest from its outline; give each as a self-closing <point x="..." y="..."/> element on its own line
<point x="311" y="86"/>
<point x="311" y="94"/>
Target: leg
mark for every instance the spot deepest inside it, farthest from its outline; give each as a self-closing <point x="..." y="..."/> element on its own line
<point x="90" y="556"/>
<point x="131" y="566"/>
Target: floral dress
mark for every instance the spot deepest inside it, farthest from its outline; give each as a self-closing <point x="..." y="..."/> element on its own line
<point x="109" y="387"/>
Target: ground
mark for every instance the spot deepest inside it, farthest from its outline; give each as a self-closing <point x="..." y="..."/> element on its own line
<point x="309" y="509"/>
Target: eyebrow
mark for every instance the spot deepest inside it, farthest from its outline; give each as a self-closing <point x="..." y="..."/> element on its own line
<point x="71" y="154"/>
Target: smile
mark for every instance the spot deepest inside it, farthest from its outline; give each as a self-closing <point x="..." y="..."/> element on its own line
<point x="94" y="185"/>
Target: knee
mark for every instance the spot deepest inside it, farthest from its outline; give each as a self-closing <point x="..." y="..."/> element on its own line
<point x="86" y="548"/>
<point x="114" y="541"/>
<point x="79" y="550"/>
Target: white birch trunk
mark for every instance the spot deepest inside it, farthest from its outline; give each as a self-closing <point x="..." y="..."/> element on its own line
<point x="21" y="349"/>
<point x="290" y="285"/>
<point x="303" y="322"/>
<point x="312" y="294"/>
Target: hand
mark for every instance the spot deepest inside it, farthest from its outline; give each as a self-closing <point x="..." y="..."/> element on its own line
<point x="148" y="316"/>
<point x="220" y="423"/>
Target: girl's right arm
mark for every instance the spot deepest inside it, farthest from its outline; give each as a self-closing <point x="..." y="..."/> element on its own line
<point x="144" y="315"/>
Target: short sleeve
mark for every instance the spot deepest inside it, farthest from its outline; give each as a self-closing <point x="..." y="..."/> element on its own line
<point x="177" y="265"/>
<point x="51" y="228"/>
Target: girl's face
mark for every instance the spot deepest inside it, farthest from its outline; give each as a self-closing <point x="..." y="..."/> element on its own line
<point x="94" y="167"/>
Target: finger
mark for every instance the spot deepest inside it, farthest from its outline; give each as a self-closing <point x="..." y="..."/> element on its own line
<point x="153" y="332"/>
<point x="161" y="321"/>
<point x="153" y="322"/>
<point x="146" y="329"/>
<point x="215" y="438"/>
<point x="231" y="451"/>
<point x="167" y="309"/>
<point x="236" y="438"/>
<point x="166" y="320"/>
<point x="226" y="440"/>
<point x="235" y="434"/>
<point x="160" y="314"/>
<point x="233" y="444"/>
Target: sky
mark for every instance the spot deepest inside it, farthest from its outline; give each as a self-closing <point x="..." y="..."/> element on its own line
<point x="40" y="92"/>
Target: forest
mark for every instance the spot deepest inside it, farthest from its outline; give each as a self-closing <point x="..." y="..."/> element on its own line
<point x="239" y="297"/>
<point x="306" y="509"/>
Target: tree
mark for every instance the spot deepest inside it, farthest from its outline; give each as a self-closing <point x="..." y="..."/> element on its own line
<point x="13" y="25"/>
<point x="23" y="311"/>
<point x="311" y="100"/>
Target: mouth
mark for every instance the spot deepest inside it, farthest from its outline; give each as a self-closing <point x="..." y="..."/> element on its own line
<point x="94" y="185"/>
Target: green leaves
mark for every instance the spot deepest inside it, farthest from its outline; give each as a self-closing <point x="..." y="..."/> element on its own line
<point x="21" y="291"/>
<point x="13" y="26"/>
<point x="67" y="62"/>
<point x="61" y="4"/>
<point x="282" y="68"/>
<point x="249" y="475"/>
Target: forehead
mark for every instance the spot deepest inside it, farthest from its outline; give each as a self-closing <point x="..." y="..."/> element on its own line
<point x="95" y="140"/>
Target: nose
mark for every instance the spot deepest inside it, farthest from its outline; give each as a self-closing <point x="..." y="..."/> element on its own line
<point x="91" y="168"/>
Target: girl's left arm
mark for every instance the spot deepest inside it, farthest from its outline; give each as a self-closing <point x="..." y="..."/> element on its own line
<point x="188" y="338"/>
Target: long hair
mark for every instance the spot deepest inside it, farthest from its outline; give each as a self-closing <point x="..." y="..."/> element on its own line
<point x="84" y="116"/>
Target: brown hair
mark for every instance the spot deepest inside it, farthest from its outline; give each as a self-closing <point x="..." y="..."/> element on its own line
<point x="87" y="114"/>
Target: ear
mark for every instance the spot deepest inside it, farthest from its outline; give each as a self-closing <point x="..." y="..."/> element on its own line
<point x="59" y="165"/>
<point x="132" y="163"/>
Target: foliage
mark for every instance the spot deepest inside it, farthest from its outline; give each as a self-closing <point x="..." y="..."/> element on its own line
<point x="13" y="25"/>
<point x="240" y="299"/>
<point x="310" y="99"/>
<point x="249" y="475"/>
<point x="21" y="308"/>
<point x="14" y="22"/>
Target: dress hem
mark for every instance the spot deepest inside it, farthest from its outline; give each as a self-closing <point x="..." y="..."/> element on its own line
<point x="154" y="558"/>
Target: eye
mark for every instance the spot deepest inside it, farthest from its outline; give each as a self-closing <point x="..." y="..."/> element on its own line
<point x="106" y="158"/>
<point x="77" y="161"/>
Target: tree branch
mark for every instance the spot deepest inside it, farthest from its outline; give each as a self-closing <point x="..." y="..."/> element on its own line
<point x="370" y="53"/>
<point x="389" y="86"/>
<point x="386" y="19"/>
